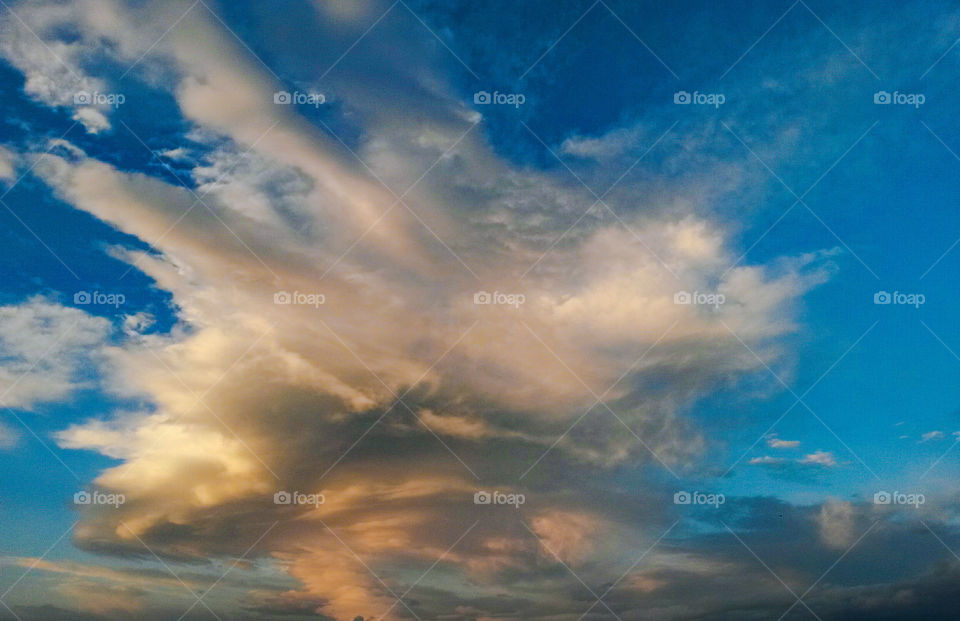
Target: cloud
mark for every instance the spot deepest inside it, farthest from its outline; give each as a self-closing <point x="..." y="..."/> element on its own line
<point x="177" y="154"/>
<point x="567" y="535"/>
<point x="819" y="458"/>
<point x="46" y="349"/>
<point x="930" y="435"/>
<point x="774" y="442"/>
<point x="767" y="460"/>
<point x="7" y="164"/>
<point x="612" y="144"/>
<point x="53" y="65"/>
<point x="97" y="598"/>
<point x="398" y="392"/>
<point x="8" y="437"/>
<point x="836" y="524"/>
<point x="92" y="119"/>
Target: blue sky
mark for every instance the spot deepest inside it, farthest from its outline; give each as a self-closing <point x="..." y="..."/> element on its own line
<point x="285" y="298"/>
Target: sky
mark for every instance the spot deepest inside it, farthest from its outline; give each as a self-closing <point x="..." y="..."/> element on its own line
<point x="561" y="310"/>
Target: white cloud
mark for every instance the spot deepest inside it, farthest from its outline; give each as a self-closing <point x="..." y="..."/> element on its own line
<point x="92" y="119"/>
<point x="8" y="437"/>
<point x="766" y="460"/>
<point x="774" y="442"/>
<point x="178" y="154"/>
<point x="612" y="144"/>
<point x="820" y="458"/>
<point x="931" y="435"/>
<point x="52" y="67"/>
<point x="46" y="348"/>
<point x="7" y="163"/>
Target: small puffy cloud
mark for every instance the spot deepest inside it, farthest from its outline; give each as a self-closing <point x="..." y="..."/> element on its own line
<point x="137" y="323"/>
<point x="612" y="144"/>
<point x="8" y="437"/>
<point x="92" y="119"/>
<point x="7" y="164"/>
<point x="178" y="154"/>
<point x="774" y="442"/>
<point x="819" y="458"/>
<point x="766" y="460"/>
<point x="930" y="436"/>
